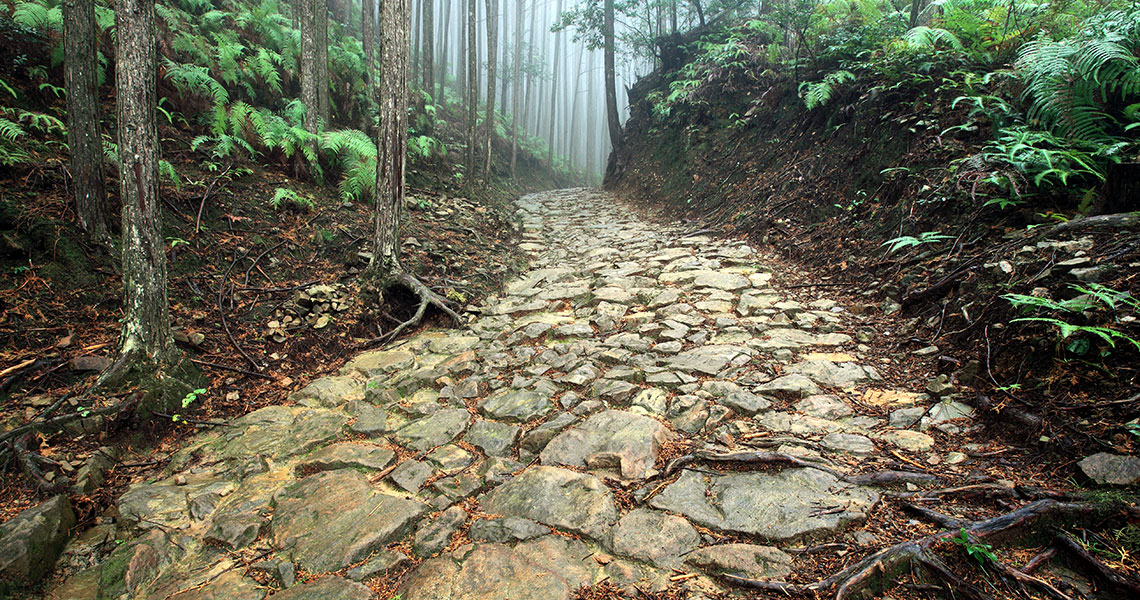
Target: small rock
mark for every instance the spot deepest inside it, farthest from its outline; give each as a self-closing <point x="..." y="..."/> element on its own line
<point x="1111" y="469"/>
<point x="32" y="540"/>
<point x="86" y="364"/>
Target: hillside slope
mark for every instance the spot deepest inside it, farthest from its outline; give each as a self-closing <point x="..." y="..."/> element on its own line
<point x="913" y="183"/>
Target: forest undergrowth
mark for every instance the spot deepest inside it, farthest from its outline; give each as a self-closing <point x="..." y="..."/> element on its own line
<point x="963" y="173"/>
<point x="266" y="226"/>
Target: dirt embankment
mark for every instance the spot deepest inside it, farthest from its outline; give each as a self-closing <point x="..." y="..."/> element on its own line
<point x="830" y="187"/>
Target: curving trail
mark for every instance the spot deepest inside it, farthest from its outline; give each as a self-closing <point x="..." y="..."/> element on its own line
<point x="520" y="458"/>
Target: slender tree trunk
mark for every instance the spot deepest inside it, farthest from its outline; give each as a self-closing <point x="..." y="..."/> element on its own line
<point x="516" y="87"/>
<point x="700" y="11"/>
<point x="591" y="118"/>
<point x="391" y="140"/>
<point x="472" y="92"/>
<point x="444" y="49"/>
<point x="310" y="86"/>
<point x="673" y="16"/>
<point x="528" y="68"/>
<point x="574" y="133"/>
<point x="147" y="336"/>
<point x="429" y="46"/>
<point x="492" y="52"/>
<point x="612" y="117"/>
<point x="417" y="7"/>
<point x="461" y="63"/>
<point x="915" y="10"/>
<point x="83" y="137"/>
<point x="321" y="35"/>
<point x="368" y="37"/>
<point x="557" y="67"/>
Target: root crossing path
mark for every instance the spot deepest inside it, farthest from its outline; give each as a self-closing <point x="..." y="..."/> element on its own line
<point x="532" y="453"/>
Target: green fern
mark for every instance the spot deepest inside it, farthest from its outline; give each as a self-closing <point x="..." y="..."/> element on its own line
<point x="931" y="37"/>
<point x="355" y="154"/>
<point x="821" y="92"/>
<point x="1071" y="84"/>
<point x="34" y="15"/>
<point x="10" y="130"/>
<point x="195" y="79"/>
<point x="287" y="197"/>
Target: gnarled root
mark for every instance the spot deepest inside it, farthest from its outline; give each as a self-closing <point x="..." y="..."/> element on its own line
<point x="427" y="298"/>
<point x="779" y="458"/>
<point x="876" y="572"/>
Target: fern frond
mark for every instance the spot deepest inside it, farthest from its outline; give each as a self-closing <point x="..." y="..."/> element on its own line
<point x="34" y="15"/>
<point x="931" y="37"/>
<point x="10" y="130"/>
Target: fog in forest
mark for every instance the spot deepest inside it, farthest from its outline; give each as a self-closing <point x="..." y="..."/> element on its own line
<point x="554" y="51"/>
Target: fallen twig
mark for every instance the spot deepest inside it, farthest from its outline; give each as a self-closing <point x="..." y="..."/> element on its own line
<point x="878" y="571"/>
<point x="231" y="369"/>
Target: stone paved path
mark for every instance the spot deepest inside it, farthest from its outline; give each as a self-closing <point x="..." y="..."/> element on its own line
<point x="492" y="460"/>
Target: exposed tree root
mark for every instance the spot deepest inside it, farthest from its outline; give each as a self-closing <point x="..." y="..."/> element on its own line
<point x="876" y="572"/>
<point x="989" y="490"/>
<point x="427" y="298"/>
<point x="30" y="464"/>
<point x="779" y="458"/>
<point x="1120" y="581"/>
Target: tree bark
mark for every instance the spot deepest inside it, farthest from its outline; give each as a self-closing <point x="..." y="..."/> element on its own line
<point x="573" y="139"/>
<point x="516" y="87"/>
<point x="915" y="12"/>
<point x="472" y="93"/>
<point x="310" y="95"/>
<point x="492" y="57"/>
<point x="391" y="140"/>
<point x="321" y="36"/>
<point x="557" y="67"/>
<point x="147" y="335"/>
<point x="368" y="37"/>
<point x="444" y="52"/>
<point x="81" y="82"/>
<point x="461" y="62"/>
<point x="612" y="117"/>
<point x="429" y="46"/>
<point x="528" y="68"/>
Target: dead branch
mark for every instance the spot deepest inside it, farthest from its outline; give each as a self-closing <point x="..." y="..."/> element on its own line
<point x="222" y="313"/>
<point x="231" y="369"/>
<point x="30" y="464"/>
<point x="1117" y="221"/>
<point x="1118" y="580"/>
<point x="876" y="572"/>
<point x="778" y="458"/>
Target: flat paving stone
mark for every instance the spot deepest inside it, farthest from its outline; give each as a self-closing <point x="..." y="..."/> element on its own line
<point x="789" y="505"/>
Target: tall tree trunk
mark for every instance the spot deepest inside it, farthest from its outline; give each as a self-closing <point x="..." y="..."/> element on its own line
<point x="915" y="11"/>
<point x="391" y="140"/>
<point x="573" y="134"/>
<point x="444" y="50"/>
<point x="673" y="16"/>
<point x="700" y="11"/>
<point x="147" y="336"/>
<point x="528" y="68"/>
<point x="492" y="55"/>
<point x="612" y="117"/>
<point x="516" y="87"/>
<point x="321" y="35"/>
<point x="83" y="137"/>
<point x="461" y="62"/>
<point x="591" y="118"/>
<point x="368" y="37"/>
<point x="472" y="92"/>
<point x="429" y="46"/>
<point x="310" y="86"/>
<point x="557" y="67"/>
